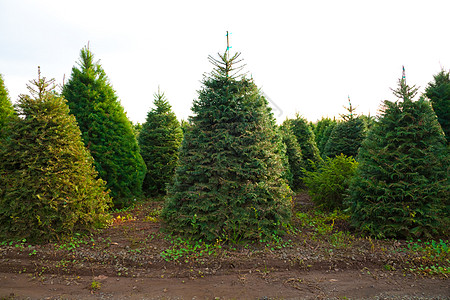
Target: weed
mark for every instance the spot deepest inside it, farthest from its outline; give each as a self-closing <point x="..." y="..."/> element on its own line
<point x="189" y="249"/>
<point x="95" y="285"/>
<point x="429" y="257"/>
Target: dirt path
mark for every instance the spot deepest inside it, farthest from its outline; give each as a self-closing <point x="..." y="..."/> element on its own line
<point x="347" y="284"/>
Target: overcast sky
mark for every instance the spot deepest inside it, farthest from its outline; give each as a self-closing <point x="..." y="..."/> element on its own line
<point x="306" y="56"/>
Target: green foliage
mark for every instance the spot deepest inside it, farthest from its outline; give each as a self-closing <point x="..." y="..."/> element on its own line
<point x="429" y="257"/>
<point x="401" y="187"/>
<point x="305" y="138"/>
<point x="190" y="250"/>
<point x="439" y="94"/>
<point x="228" y="184"/>
<point x="346" y="138"/>
<point x="137" y="129"/>
<point x="322" y="132"/>
<point x="328" y="183"/>
<point x="48" y="185"/>
<point x="322" y="226"/>
<point x="106" y="130"/>
<point x="6" y="109"/>
<point x="160" y="140"/>
<point x="294" y="156"/>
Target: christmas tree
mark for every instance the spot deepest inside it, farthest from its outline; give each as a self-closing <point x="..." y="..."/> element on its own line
<point x="228" y="184"/>
<point x="160" y="139"/>
<point x="106" y="130"/>
<point x="439" y="94"/>
<point x="401" y="187"/>
<point x="48" y="184"/>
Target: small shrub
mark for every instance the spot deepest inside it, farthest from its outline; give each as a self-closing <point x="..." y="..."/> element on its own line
<point x="328" y="182"/>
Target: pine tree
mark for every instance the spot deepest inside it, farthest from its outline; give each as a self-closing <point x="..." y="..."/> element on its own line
<point x="322" y="132"/>
<point x="160" y="140"/>
<point x="48" y="185"/>
<point x="6" y="109"/>
<point x="439" y="94"/>
<point x="305" y="138"/>
<point x="401" y="188"/>
<point x="347" y="136"/>
<point x="294" y="156"/>
<point x="228" y="184"/>
<point x="106" y="130"/>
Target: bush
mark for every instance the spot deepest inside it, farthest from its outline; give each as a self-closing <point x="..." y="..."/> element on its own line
<point x="328" y="183"/>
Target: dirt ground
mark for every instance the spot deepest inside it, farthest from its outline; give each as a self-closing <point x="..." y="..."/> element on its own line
<point x="124" y="261"/>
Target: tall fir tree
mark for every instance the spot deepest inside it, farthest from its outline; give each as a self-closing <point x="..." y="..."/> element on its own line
<point x="106" y="130"/>
<point x="439" y="94"/>
<point x="294" y="156"/>
<point x="401" y="188"/>
<point x="305" y="138"/>
<point x="48" y="185"/>
<point x="347" y="135"/>
<point x="228" y="184"/>
<point x="6" y="108"/>
<point x="160" y="140"/>
<point x="322" y="132"/>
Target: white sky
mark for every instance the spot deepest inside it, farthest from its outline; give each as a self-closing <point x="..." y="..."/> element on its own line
<point x="306" y="56"/>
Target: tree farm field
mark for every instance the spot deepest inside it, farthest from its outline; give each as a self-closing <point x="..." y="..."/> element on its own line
<point x="319" y="257"/>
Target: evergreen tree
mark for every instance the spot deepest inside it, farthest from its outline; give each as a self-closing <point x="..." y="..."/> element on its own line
<point x="347" y="136"/>
<point x="322" y="132"/>
<point x="305" y="138"/>
<point x="294" y="156"/>
<point x="48" y="184"/>
<point x="160" y="140"/>
<point x="401" y="188"/>
<point x="6" y="109"/>
<point x="228" y="184"/>
<point x="439" y="94"/>
<point x="106" y="130"/>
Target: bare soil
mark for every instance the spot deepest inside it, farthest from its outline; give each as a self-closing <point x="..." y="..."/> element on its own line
<point x="124" y="261"/>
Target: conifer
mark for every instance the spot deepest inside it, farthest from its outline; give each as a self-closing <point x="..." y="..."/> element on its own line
<point x="322" y="132"/>
<point x="401" y="188"/>
<point x="228" y="184"/>
<point x="6" y="108"/>
<point x="159" y="141"/>
<point x="306" y="139"/>
<point x="294" y="156"/>
<point x="106" y="130"/>
<point x="48" y="185"/>
<point x="347" y="136"/>
<point x="439" y="94"/>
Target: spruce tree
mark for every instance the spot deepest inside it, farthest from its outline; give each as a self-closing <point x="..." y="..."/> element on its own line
<point x="401" y="188"/>
<point x="294" y="156"/>
<point x="347" y="136"/>
<point x="48" y="185"/>
<point x="439" y="94"/>
<point x="160" y="140"/>
<point x="322" y="132"/>
<point x="6" y="109"/>
<point x="305" y="138"/>
<point x="228" y="184"/>
<point x="106" y="130"/>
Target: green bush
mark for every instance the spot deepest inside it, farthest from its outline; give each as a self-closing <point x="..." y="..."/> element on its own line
<point x="48" y="185"/>
<point x="328" y="182"/>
